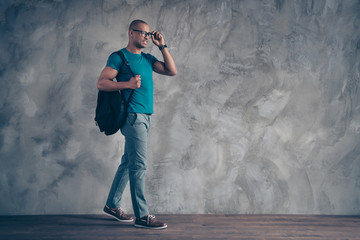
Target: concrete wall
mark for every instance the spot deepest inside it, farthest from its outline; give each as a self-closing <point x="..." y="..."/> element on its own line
<point x="263" y="116"/>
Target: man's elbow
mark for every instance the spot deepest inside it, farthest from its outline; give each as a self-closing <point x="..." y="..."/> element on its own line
<point x="172" y="73"/>
<point x="100" y="85"/>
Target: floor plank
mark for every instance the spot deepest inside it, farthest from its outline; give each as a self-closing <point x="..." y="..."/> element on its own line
<point x="251" y="227"/>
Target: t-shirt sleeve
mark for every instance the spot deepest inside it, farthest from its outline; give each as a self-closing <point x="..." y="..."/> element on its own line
<point x="114" y="61"/>
<point x="153" y="59"/>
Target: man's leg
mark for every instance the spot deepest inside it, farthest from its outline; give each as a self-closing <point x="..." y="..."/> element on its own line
<point x="136" y="131"/>
<point x="121" y="178"/>
<point x="119" y="183"/>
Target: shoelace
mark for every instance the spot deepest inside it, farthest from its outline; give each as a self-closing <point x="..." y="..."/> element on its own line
<point x="150" y="217"/>
<point x="117" y="209"/>
<point x="122" y="213"/>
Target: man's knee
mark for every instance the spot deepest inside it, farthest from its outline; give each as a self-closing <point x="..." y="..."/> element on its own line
<point x="139" y="164"/>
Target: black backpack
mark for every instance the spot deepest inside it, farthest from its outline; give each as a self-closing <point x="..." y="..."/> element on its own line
<point x="112" y="107"/>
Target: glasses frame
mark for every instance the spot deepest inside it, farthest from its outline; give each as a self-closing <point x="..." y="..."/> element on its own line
<point x="143" y="33"/>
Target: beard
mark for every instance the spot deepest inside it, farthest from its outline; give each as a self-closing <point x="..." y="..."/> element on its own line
<point x="138" y="45"/>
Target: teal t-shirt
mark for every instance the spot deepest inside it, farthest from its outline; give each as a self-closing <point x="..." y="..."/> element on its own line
<point x="141" y="64"/>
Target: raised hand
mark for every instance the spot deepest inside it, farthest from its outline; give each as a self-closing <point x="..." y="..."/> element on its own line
<point x="157" y="38"/>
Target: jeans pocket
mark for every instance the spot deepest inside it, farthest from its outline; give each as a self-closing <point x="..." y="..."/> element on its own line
<point x="131" y="118"/>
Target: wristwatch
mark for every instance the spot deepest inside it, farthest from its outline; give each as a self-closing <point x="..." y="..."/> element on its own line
<point x="162" y="47"/>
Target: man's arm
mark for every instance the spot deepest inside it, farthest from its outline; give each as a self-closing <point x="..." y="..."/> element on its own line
<point x="106" y="83"/>
<point x="167" y="67"/>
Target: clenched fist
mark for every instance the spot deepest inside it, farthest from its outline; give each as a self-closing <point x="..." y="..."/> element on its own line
<point x="135" y="82"/>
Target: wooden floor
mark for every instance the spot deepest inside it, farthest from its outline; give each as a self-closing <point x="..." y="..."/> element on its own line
<point x="223" y="227"/>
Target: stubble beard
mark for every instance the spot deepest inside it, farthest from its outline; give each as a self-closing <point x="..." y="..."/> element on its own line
<point x="138" y="45"/>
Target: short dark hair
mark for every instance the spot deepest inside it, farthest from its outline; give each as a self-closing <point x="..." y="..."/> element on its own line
<point x="135" y="23"/>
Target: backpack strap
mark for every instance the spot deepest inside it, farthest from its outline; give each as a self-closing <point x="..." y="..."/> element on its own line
<point x="121" y="54"/>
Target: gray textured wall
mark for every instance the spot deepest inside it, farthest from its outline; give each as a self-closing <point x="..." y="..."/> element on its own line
<point x="263" y="116"/>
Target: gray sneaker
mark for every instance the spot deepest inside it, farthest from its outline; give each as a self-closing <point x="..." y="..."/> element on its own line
<point x="118" y="214"/>
<point x="149" y="221"/>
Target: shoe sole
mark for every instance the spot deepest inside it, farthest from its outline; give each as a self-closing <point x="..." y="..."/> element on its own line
<point x="142" y="226"/>
<point x="120" y="220"/>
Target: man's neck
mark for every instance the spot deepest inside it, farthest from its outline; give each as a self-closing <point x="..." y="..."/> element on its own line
<point x="133" y="49"/>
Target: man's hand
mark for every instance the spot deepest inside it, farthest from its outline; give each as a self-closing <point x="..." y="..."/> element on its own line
<point x="135" y="82"/>
<point x="157" y="39"/>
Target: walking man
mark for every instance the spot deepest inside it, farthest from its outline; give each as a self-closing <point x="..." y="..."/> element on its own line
<point x="137" y="126"/>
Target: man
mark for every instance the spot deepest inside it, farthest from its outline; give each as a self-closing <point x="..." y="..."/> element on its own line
<point x="136" y="128"/>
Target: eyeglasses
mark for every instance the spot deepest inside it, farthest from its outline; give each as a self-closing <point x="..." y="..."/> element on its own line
<point x="143" y="33"/>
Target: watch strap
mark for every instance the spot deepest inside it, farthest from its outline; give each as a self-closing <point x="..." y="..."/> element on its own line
<point x="162" y="47"/>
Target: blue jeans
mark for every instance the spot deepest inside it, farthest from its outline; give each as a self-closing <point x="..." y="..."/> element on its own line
<point x="133" y="164"/>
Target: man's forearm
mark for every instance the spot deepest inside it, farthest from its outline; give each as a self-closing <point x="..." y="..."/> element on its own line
<point x="169" y="62"/>
<point x="110" y="86"/>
